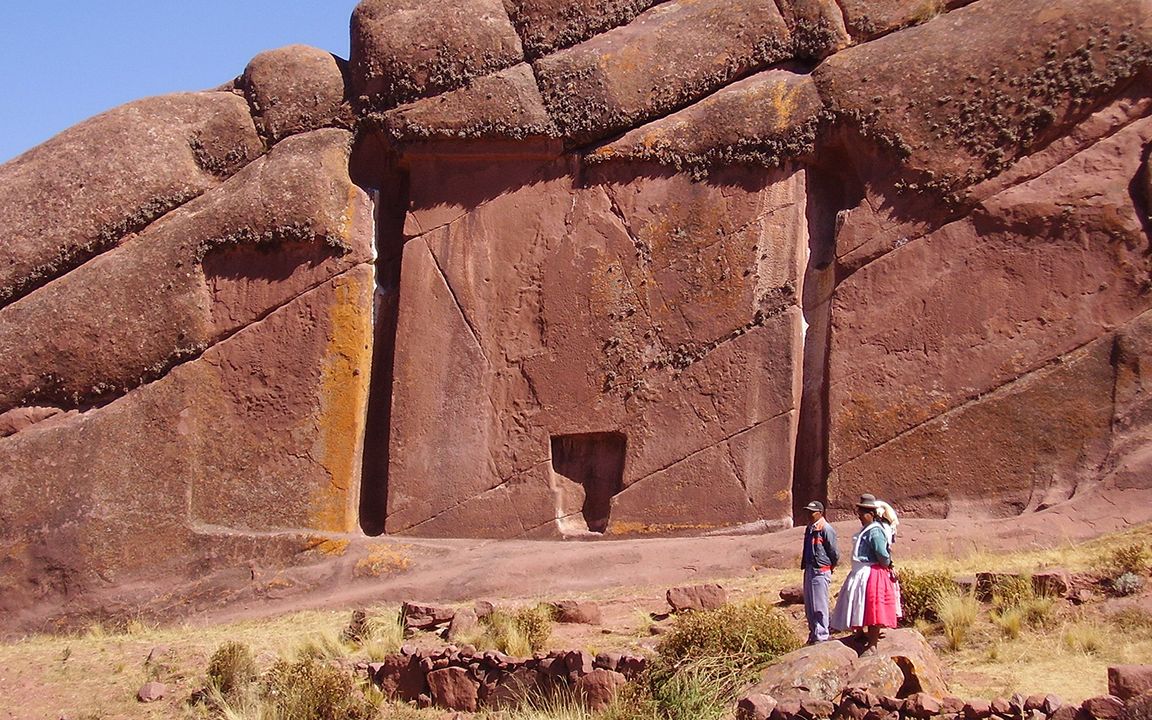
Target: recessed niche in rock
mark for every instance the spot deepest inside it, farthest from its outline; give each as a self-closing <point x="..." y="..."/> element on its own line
<point x="587" y="471"/>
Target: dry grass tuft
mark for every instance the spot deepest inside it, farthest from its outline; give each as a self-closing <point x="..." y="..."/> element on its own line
<point x="958" y="613"/>
<point x="1087" y="637"/>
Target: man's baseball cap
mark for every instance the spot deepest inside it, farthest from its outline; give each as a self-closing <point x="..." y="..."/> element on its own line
<point x="815" y="506"/>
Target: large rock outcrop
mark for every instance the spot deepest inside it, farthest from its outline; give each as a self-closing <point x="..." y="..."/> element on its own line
<point x="612" y="267"/>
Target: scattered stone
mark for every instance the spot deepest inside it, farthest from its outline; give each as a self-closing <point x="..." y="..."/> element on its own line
<point x="816" y="708"/>
<point x="454" y="688"/>
<point x="977" y="709"/>
<point x="598" y="688"/>
<point x="400" y="676"/>
<point x="792" y="595"/>
<point x="1002" y="707"/>
<point x="922" y="705"/>
<point x="463" y="622"/>
<point x="580" y="612"/>
<point x="483" y="609"/>
<point x="755" y="707"/>
<point x="1128" y="681"/>
<point x="1102" y="707"/>
<point x="1051" y="583"/>
<point x="786" y="709"/>
<point x="425" y="617"/>
<point x="579" y="662"/>
<point x="951" y="705"/>
<point x="151" y="692"/>
<point x="696" y="597"/>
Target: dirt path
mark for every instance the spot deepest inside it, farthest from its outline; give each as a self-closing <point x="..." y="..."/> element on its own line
<point x="461" y="570"/>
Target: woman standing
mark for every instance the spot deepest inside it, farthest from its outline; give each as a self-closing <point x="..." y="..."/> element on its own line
<point x="868" y="598"/>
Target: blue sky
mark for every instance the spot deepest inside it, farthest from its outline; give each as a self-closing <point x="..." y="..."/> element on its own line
<point x="62" y="61"/>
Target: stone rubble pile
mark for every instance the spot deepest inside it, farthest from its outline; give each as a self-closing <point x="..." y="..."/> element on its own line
<point x="463" y="678"/>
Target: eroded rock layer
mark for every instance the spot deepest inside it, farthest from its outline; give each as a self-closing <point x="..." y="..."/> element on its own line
<point x="540" y="269"/>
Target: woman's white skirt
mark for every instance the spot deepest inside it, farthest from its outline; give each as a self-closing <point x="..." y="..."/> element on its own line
<point x="849" y="612"/>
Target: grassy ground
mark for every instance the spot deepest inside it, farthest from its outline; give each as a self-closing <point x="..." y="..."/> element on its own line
<point x="96" y="674"/>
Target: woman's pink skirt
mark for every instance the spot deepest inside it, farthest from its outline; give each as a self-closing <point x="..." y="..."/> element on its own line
<point x="880" y="598"/>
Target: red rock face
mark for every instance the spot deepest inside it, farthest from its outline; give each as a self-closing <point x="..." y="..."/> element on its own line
<point x="632" y="268"/>
<point x="641" y="305"/>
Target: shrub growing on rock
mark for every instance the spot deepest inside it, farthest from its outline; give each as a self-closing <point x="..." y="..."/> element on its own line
<point x="920" y="593"/>
<point x="748" y="634"/>
<point x="231" y="668"/>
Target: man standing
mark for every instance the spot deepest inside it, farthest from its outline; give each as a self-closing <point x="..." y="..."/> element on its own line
<point x="818" y="561"/>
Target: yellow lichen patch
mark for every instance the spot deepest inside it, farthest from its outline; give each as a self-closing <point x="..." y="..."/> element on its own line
<point x="383" y="560"/>
<point x="327" y="546"/>
<point x="638" y="528"/>
<point x="783" y="104"/>
<point x="346" y="367"/>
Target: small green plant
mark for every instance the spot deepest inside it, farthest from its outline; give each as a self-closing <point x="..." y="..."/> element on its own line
<point x="1127" y="584"/>
<point x="231" y="668"/>
<point x="957" y="613"/>
<point x="748" y="634"/>
<point x="920" y="593"/>
<point x="1135" y="558"/>
<point x="310" y="689"/>
<point x="1085" y="637"/>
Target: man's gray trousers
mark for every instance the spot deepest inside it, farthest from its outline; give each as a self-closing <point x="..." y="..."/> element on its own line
<point x="816" y="588"/>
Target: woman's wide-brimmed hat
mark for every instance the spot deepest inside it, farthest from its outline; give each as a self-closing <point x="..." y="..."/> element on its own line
<point x="867" y="502"/>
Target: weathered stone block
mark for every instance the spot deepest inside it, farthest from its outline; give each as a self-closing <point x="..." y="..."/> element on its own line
<point x="87" y="189"/>
<point x="766" y="119"/>
<point x="296" y="89"/>
<point x="955" y="128"/>
<point x="549" y="25"/>
<point x="407" y="49"/>
<point x="669" y="56"/>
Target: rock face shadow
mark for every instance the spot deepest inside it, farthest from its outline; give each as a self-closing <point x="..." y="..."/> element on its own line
<point x="587" y="471"/>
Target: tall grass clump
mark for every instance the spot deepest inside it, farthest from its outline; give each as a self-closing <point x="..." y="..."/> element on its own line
<point x="920" y="594"/>
<point x="231" y="668"/>
<point x="518" y="633"/>
<point x="1010" y="621"/>
<point x="376" y="636"/>
<point x="748" y="634"/>
<point x="1011" y="591"/>
<point x="957" y="613"/>
<point x="1088" y="638"/>
<point x="702" y="688"/>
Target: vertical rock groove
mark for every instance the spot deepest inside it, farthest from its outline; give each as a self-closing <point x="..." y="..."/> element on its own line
<point x="391" y="205"/>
